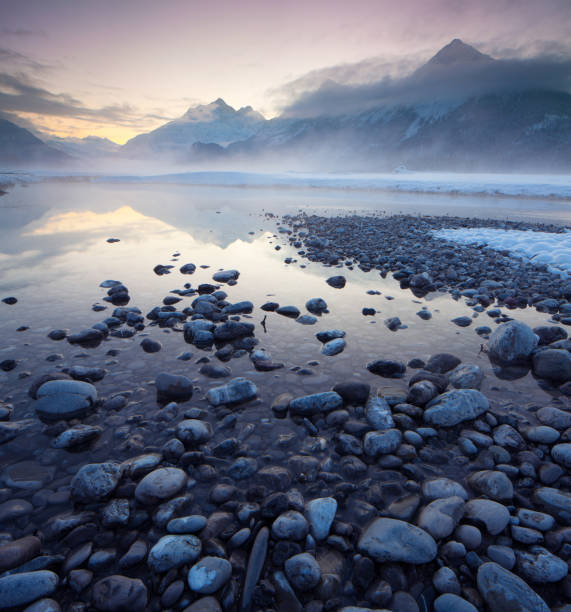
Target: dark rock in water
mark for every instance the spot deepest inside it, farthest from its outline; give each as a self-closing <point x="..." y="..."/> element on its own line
<point x="388" y="539"/>
<point x="438" y="380"/>
<point x="387" y="368"/>
<point x="456" y="406"/>
<point x="425" y="315"/>
<point x="225" y="275"/>
<point x="355" y="393"/>
<point x="87" y="374"/>
<point x="244" y="307"/>
<point x="64" y="399"/>
<point x="236" y="391"/>
<point x="209" y="575"/>
<point x="393" y="323"/>
<point x="288" y="311"/>
<point x="378" y="413"/>
<point x="188" y="268"/>
<point x="95" y="481"/>
<point x="21" y="589"/>
<point x="7" y="365"/>
<point x="212" y="370"/>
<point x="306" y="320"/>
<point x="512" y="343"/>
<point x="270" y="306"/>
<point x="171" y="387"/>
<point x="442" y="363"/>
<point x="328" y="335"/>
<point x="466" y="377"/>
<point x="503" y="590"/>
<point x="88" y="337"/>
<point x="337" y="282"/>
<point x="112" y="240"/>
<point x="58" y="334"/>
<point x="462" y="321"/>
<point x="170" y="300"/>
<point x="369" y="312"/>
<point x="160" y="270"/>
<point x="549" y="333"/>
<point x="230" y="330"/>
<point x="316" y="305"/>
<point x="256" y="563"/>
<point x="150" y="346"/>
<point x="483" y="330"/>
<point x="206" y="288"/>
<point x="120" y="594"/>
<point x="10" y="300"/>
<point x="77" y="436"/>
<point x="309" y="405"/>
<point x="416" y="363"/>
<point x="553" y="364"/>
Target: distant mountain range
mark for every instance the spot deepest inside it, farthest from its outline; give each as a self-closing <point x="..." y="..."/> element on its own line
<point x="448" y="115"/>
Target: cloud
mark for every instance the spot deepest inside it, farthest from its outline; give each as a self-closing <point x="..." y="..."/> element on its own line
<point x="17" y="59"/>
<point x="21" y="32"/>
<point x="454" y="81"/>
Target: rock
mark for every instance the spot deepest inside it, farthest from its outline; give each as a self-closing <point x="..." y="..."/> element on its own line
<point x="438" y="488"/>
<point x="330" y="334"/>
<point x="17" y="552"/>
<point x="495" y="485"/>
<point x="421" y="393"/>
<point x="387" y="368"/>
<point x="393" y="323"/>
<point x="542" y="434"/>
<point x="378" y="443"/>
<point x="394" y="540"/>
<point x="507" y="437"/>
<point x="466" y="377"/>
<point x="512" y="342"/>
<point x="204" y="604"/>
<point x="441" y="516"/>
<point x="95" y="482"/>
<point x="64" y="399"/>
<point x="503" y="590"/>
<point x="194" y="432"/>
<point x="454" y="407"/>
<point x="288" y="311"/>
<point x="209" y="575"/>
<point x="244" y="307"/>
<point x="43" y="605"/>
<point x="562" y="454"/>
<point x="321" y="513"/>
<point x="87" y="337"/>
<point x="187" y="524"/>
<point x="353" y="392"/>
<point x="120" y="594"/>
<point x="306" y="320"/>
<point x="539" y="565"/>
<point x="333" y="347"/>
<point x="303" y="571"/>
<point x="493" y="515"/>
<point x="160" y="484"/>
<point x="26" y="587"/>
<point x="445" y="581"/>
<point x="225" y="275"/>
<point x="236" y="391"/>
<point x="14" y="508"/>
<point x="378" y="413"/>
<point x="337" y="282"/>
<point x="449" y="602"/>
<point x="174" y="551"/>
<point x="115" y="513"/>
<point x="77" y="435"/>
<point x="549" y="333"/>
<point x="151" y="346"/>
<point x="503" y="555"/>
<point x="171" y="387"/>
<point x="256" y="563"/>
<point x="309" y="405"/>
<point x="316" y="305"/>
<point x="290" y="526"/>
<point x="552" y="364"/>
<point x="555" y="500"/>
<point x="553" y="417"/>
<point x="232" y="330"/>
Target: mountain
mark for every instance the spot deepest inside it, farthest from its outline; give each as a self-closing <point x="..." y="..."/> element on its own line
<point x="216" y="123"/>
<point x="88" y="147"/>
<point x="19" y="146"/>
<point x="455" y="112"/>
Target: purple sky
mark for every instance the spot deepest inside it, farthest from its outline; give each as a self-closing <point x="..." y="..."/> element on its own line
<point x="118" y="67"/>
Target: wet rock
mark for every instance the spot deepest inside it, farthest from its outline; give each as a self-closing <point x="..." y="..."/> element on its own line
<point x="562" y="454"/>
<point x="14" y="509"/>
<point x="11" y="300"/>
<point x="119" y="594"/>
<point x="393" y="323"/>
<point x="438" y="488"/>
<point x="512" y="342"/>
<point x="231" y="330"/>
<point x="330" y="334"/>
<point x="24" y="588"/>
<point x="378" y="413"/>
<point x="549" y="333"/>
<point x="87" y="337"/>
<point x="77" y="435"/>
<point x="236" y="391"/>
<point x="310" y="405"/>
<point x="441" y="516"/>
<point x="188" y="268"/>
<point x="387" y="368"/>
<point x="337" y="282"/>
<point x="209" y="575"/>
<point x="224" y="276"/>
<point x="333" y="347"/>
<point x="64" y="399"/>
<point x="376" y="443"/>
<point x="552" y="364"/>
<point x="507" y="437"/>
<point x="160" y="484"/>
<point x="495" y="485"/>
<point x="466" y="377"/>
<point x="193" y="432"/>
<point x="316" y="305"/>
<point x="171" y="387"/>
<point x="95" y="481"/>
<point x="503" y="590"/>
<point x="554" y="417"/>
<point x="254" y="569"/>
<point x="454" y="407"/>
<point x="17" y="552"/>
<point x="554" y="500"/>
<point x="449" y="602"/>
<point x="394" y="540"/>
<point x="303" y="571"/>
<point x="44" y="605"/>
<point x="173" y="551"/>
<point x="491" y="514"/>
<point x="290" y="526"/>
<point x="187" y="524"/>
<point x="288" y="311"/>
<point x="539" y="565"/>
<point x="115" y="513"/>
<point x="503" y="555"/>
<point x="150" y="346"/>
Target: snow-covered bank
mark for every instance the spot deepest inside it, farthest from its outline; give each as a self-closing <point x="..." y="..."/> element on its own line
<point x="554" y="250"/>
<point x="511" y="185"/>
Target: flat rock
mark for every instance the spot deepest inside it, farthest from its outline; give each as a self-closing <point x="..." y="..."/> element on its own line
<point x="454" y="407"/>
<point x="21" y="589"/>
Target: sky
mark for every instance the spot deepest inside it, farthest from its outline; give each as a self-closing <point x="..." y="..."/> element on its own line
<point x="116" y="68"/>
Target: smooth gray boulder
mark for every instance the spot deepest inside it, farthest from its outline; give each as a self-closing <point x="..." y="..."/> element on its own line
<point x="160" y="484"/>
<point x="65" y="399"/>
<point x="512" y="343"/>
<point x="456" y="406"/>
<point x="321" y="513"/>
<point x="493" y="515"/>
<point x="21" y="589"/>
<point x="441" y="516"/>
<point x="388" y="539"/>
<point x="209" y="574"/>
<point x="503" y="590"/>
